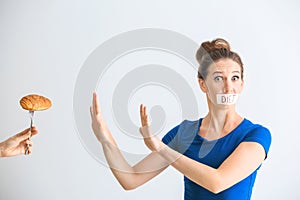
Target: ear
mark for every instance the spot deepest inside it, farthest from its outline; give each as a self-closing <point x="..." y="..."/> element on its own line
<point x="202" y="85"/>
<point x="242" y="84"/>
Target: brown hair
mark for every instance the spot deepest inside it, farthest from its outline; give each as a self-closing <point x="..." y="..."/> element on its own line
<point x="212" y="51"/>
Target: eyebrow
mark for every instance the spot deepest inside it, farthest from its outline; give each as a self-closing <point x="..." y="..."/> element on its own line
<point x="220" y="72"/>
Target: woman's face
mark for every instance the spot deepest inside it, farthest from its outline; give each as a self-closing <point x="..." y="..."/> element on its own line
<point x="223" y="82"/>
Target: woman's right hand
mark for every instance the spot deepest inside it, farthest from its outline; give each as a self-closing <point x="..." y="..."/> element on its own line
<point x="151" y="140"/>
<point x="98" y="124"/>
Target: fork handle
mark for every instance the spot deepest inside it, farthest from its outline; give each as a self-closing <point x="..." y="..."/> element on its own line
<point x="31" y="123"/>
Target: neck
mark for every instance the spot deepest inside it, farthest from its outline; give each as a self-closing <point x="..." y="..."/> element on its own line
<point x="221" y="120"/>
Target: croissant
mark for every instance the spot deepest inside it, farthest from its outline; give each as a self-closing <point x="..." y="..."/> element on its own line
<point x="34" y="102"/>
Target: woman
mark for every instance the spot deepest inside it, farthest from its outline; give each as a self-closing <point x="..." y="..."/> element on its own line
<point x="219" y="154"/>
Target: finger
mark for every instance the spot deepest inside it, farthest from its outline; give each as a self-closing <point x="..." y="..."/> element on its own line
<point x="92" y="106"/>
<point x="141" y="109"/>
<point x="96" y="105"/>
<point x="25" y="132"/>
<point x="23" y="135"/>
<point x="144" y="115"/>
<point x="94" y="102"/>
<point x="34" y="131"/>
<point x="145" y="111"/>
<point x="141" y="113"/>
<point x="22" y="132"/>
<point x="29" y="151"/>
<point x="91" y="111"/>
<point x="25" y="150"/>
<point x="29" y="143"/>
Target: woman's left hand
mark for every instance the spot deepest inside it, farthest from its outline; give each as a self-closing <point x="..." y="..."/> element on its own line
<point x="151" y="140"/>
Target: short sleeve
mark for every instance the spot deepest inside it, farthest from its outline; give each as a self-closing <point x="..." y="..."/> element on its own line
<point x="170" y="138"/>
<point x="260" y="135"/>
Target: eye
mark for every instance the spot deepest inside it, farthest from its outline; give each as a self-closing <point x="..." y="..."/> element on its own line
<point x="235" y="78"/>
<point x="218" y="78"/>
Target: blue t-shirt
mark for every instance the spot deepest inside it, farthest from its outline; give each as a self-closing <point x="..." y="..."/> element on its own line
<point x="185" y="139"/>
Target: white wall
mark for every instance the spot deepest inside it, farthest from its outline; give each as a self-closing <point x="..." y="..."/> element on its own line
<point x="44" y="44"/>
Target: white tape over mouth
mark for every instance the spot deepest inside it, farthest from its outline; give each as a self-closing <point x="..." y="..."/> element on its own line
<point x="227" y="99"/>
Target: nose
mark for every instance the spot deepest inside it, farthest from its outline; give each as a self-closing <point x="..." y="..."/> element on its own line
<point x="228" y="87"/>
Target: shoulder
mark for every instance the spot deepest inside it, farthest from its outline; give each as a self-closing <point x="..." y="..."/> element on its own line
<point x="181" y="130"/>
<point x="189" y="123"/>
<point x="181" y="136"/>
<point x="260" y="134"/>
<point x="256" y="130"/>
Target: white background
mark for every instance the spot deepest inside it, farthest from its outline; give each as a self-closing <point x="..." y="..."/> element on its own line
<point x="43" y="45"/>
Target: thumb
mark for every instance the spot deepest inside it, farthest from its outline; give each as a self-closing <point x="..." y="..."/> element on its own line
<point x="23" y="135"/>
<point x="145" y="131"/>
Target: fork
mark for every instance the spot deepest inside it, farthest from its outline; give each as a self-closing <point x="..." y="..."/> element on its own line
<point x="31" y="113"/>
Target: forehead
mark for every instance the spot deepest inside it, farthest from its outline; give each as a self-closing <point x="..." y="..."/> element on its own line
<point x="225" y="66"/>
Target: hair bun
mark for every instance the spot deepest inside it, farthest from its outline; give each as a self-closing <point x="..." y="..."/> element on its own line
<point x="215" y="44"/>
<point x="209" y="46"/>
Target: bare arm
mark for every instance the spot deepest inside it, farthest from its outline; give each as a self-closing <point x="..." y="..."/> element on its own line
<point x="240" y="164"/>
<point x="128" y="176"/>
<point x="131" y="177"/>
